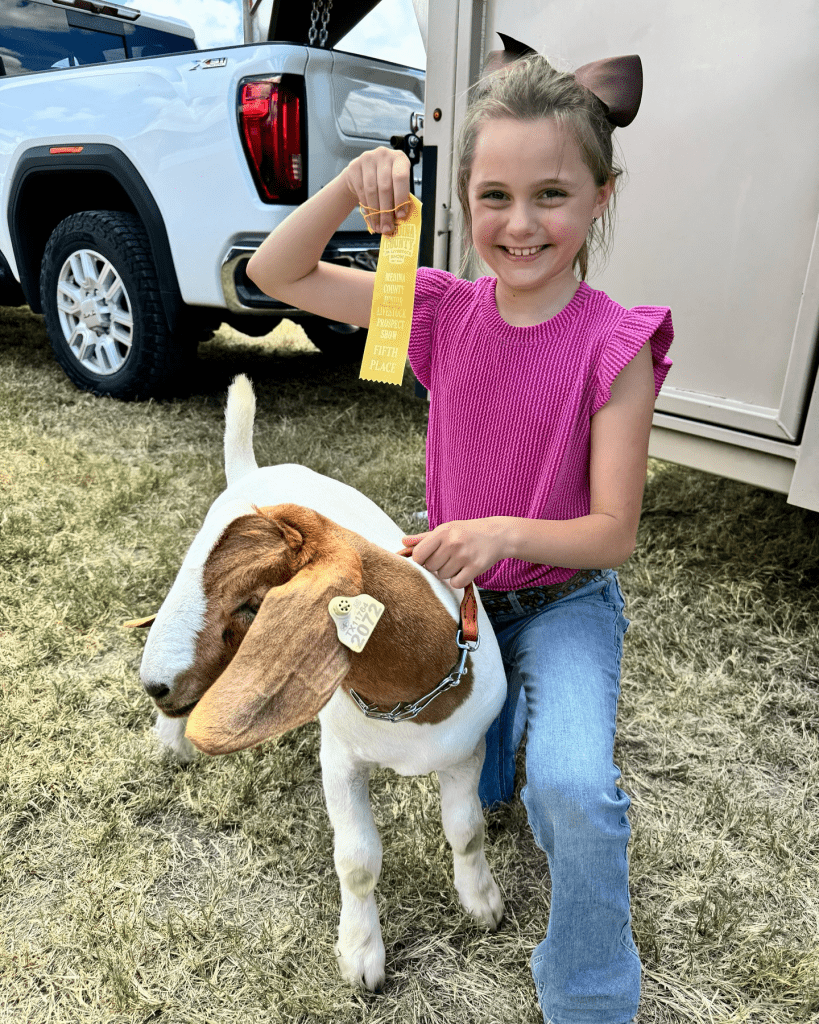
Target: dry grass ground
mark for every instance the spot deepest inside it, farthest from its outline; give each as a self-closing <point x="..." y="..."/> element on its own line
<point x="134" y="890"/>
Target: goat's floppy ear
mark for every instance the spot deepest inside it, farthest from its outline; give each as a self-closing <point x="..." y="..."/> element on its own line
<point x="288" y="665"/>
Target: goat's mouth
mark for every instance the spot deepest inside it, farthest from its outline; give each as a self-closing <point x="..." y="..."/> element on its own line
<point x="178" y="712"/>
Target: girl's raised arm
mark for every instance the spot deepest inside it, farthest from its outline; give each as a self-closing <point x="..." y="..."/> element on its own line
<point x="287" y="265"/>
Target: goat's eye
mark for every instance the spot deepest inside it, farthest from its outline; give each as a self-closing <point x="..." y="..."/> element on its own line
<point x="243" y="617"/>
<point x="248" y="610"/>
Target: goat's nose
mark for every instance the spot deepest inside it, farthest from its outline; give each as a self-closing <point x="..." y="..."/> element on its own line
<point x="156" y="690"/>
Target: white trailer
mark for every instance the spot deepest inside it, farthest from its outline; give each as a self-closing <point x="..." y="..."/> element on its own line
<point x="719" y="215"/>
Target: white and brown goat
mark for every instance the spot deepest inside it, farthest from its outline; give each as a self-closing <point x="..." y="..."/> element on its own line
<point x="244" y="648"/>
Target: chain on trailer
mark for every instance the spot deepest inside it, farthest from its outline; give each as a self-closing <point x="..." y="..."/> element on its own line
<point x="321" y="9"/>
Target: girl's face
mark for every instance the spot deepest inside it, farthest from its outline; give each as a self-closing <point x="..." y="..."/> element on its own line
<point x="532" y="199"/>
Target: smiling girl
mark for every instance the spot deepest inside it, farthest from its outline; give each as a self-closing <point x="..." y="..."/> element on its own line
<point x="542" y="391"/>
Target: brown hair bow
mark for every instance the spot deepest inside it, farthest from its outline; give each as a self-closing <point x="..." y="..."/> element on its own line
<point x="616" y="81"/>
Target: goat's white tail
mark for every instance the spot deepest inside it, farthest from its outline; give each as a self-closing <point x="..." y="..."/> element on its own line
<point x="239" y="416"/>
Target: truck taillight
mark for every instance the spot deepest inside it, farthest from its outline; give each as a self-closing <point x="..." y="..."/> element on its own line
<point x="271" y="112"/>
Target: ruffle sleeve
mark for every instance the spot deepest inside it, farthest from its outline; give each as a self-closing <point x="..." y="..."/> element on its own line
<point x="636" y="327"/>
<point x="430" y="287"/>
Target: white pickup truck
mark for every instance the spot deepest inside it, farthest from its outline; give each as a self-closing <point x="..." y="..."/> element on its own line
<point x="139" y="174"/>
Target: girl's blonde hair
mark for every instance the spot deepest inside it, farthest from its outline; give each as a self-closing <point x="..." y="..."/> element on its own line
<point x="527" y="90"/>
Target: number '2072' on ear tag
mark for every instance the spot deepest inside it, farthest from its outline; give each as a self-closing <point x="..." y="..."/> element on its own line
<point x="355" y="619"/>
<point x="385" y="353"/>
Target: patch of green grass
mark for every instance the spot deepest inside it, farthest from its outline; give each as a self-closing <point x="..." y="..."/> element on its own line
<point x="133" y="889"/>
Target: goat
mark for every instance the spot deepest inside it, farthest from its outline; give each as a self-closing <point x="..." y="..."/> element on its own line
<point x="245" y="648"/>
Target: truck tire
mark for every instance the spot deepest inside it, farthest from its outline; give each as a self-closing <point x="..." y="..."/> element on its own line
<point x="103" y="308"/>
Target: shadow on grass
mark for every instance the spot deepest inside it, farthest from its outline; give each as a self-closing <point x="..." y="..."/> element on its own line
<point x="284" y="366"/>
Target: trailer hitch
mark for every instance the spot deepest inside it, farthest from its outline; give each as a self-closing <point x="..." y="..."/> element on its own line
<point x="411" y="144"/>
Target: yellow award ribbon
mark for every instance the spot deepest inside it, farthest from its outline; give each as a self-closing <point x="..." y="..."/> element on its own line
<point x="385" y="353"/>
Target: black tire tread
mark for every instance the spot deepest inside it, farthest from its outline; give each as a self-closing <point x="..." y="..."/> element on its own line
<point x="154" y="365"/>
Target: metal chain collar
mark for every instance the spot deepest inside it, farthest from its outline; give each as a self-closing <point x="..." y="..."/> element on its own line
<point x="403" y="711"/>
<point x="323" y="8"/>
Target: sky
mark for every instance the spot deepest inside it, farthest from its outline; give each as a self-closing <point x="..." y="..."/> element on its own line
<point x="389" y="32"/>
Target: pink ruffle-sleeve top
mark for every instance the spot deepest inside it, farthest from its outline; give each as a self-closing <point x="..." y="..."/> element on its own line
<point x="511" y="407"/>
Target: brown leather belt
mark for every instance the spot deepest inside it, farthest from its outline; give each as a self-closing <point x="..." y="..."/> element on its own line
<point x="530" y="599"/>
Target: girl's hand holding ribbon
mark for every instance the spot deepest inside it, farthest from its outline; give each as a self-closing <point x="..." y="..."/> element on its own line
<point x="380" y="181"/>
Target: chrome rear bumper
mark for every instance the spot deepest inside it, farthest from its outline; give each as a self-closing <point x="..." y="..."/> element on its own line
<point x="243" y="296"/>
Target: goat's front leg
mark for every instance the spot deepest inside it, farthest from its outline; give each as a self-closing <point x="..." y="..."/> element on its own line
<point x="171" y="735"/>
<point x="360" y="947"/>
<point x="462" y="817"/>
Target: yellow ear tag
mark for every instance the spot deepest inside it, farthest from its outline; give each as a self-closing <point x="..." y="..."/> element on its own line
<point x="355" y="619"/>
<point x="385" y="353"/>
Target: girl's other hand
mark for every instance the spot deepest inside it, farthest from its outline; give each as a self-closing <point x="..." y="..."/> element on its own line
<point x="461" y="550"/>
<point x="380" y="179"/>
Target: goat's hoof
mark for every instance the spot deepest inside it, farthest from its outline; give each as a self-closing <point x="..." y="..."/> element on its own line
<point x="183" y="752"/>
<point x="484" y="904"/>
<point x="363" y="967"/>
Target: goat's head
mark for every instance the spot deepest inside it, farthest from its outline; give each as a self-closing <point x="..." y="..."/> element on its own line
<point x="245" y="644"/>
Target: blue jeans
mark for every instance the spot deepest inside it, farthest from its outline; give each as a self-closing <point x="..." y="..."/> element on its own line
<point x="563" y="671"/>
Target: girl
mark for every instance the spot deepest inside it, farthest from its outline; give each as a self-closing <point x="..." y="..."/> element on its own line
<point x="542" y="391"/>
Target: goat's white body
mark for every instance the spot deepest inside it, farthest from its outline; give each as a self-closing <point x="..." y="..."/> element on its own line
<point x="351" y="744"/>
